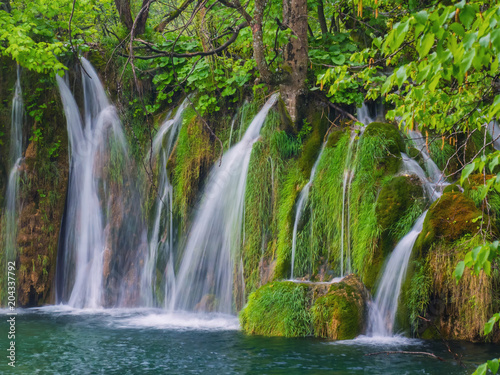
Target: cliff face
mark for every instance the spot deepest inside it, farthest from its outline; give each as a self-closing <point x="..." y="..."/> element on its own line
<point x="43" y="181"/>
<point x="382" y="204"/>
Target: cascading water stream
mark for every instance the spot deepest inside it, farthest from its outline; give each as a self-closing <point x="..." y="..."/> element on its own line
<point x="15" y="158"/>
<point x="383" y="310"/>
<point x="364" y="117"/>
<point x="494" y="131"/>
<point x="161" y="242"/>
<point x="204" y="281"/>
<point x="93" y="210"/>
<point x="301" y="203"/>
<point x="435" y="175"/>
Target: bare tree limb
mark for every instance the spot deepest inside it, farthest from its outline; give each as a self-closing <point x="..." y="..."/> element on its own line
<point x="406" y="352"/>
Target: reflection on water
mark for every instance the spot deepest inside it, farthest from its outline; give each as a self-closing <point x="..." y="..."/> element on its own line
<point x="60" y="340"/>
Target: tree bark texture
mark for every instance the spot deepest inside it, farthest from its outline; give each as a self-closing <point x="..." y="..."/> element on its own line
<point x="293" y="89"/>
<point x="258" y="43"/>
<point x="123" y="7"/>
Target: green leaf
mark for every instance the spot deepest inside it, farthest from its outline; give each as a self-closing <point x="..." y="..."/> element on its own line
<point x="425" y="45"/>
<point x="467" y="15"/>
<point x="421" y="17"/>
<point x="481" y="370"/>
<point x="469" y="168"/>
<point x="459" y="270"/>
<point x="457" y="29"/>
<point x="493" y="365"/>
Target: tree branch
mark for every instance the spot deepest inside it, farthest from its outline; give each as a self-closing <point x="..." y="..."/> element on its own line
<point x="405" y="352"/>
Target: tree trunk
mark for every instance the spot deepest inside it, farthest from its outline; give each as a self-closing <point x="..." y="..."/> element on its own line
<point x="140" y="27"/>
<point x="293" y="89"/>
<point x="5" y="5"/>
<point x="258" y="43"/>
<point x="321" y="18"/>
<point x="123" y="7"/>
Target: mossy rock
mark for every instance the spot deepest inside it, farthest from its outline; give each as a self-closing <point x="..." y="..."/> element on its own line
<point x="341" y="313"/>
<point x="278" y="309"/>
<point x="334" y="137"/>
<point x="452" y="188"/>
<point x="449" y="218"/>
<point x="413" y="153"/>
<point x="392" y="142"/>
<point x="388" y="132"/>
<point x="395" y="198"/>
<point x="475" y="181"/>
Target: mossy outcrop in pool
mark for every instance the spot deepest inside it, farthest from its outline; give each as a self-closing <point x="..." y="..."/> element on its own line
<point x="284" y="308"/>
<point x="279" y="308"/>
<point x="341" y="313"/>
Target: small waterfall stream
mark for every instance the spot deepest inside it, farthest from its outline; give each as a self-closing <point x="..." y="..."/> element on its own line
<point x="494" y="131"/>
<point x="15" y="157"/>
<point x="204" y="281"/>
<point x="364" y="117"/>
<point x="383" y="310"/>
<point x="94" y="211"/>
<point x="161" y="242"/>
<point x="303" y="196"/>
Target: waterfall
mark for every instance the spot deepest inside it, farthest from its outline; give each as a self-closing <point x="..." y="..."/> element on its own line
<point x="161" y="242"/>
<point x="94" y="224"/>
<point x="382" y="312"/>
<point x="433" y="189"/>
<point x="364" y="117"/>
<point x="15" y="158"/>
<point x="435" y="175"/>
<point x="303" y="196"/>
<point x="494" y="131"/>
<point x="205" y="277"/>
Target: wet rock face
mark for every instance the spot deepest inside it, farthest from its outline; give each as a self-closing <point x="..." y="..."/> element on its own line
<point x="42" y="197"/>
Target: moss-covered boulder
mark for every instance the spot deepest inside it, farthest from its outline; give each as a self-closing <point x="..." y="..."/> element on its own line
<point x="387" y="132"/>
<point x="389" y="138"/>
<point x="395" y="198"/>
<point x="449" y="218"/>
<point x="278" y="309"/>
<point x="284" y="308"/>
<point x="334" y="137"/>
<point x="398" y="205"/>
<point x="341" y="313"/>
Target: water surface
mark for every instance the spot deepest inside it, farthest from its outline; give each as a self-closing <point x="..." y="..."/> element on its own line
<point x="59" y="340"/>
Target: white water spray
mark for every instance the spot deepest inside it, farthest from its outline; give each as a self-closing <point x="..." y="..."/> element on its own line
<point x="161" y="242"/>
<point x="301" y="203"/>
<point x="87" y="242"/>
<point x="15" y="156"/>
<point x="205" y="277"/>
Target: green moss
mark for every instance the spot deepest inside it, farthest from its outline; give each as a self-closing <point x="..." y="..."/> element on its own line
<point x="340" y="314"/>
<point x="277" y="309"/>
<point x="452" y="188"/>
<point x="293" y="183"/>
<point x="387" y="132"/>
<point x="395" y="198"/>
<point x="193" y="159"/>
<point x="449" y="218"/>
<point x="374" y="162"/>
<point x="334" y="137"/>
<point x="264" y="180"/>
